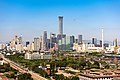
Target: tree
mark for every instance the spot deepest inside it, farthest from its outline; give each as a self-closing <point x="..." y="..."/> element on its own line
<point x="58" y="77"/>
<point x="25" y="76"/>
<point x="96" y="65"/>
<point x="75" y="78"/>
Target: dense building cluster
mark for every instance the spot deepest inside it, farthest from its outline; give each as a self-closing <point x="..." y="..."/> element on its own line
<point x="60" y="42"/>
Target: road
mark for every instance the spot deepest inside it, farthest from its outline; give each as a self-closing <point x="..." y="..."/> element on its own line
<point x="21" y="69"/>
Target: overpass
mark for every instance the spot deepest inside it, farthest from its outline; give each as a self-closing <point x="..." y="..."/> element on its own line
<point x="21" y="69"/>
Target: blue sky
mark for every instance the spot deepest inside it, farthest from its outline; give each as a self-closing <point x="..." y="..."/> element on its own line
<point x="31" y="17"/>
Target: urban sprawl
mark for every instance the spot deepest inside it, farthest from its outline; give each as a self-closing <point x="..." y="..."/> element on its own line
<point x="60" y="57"/>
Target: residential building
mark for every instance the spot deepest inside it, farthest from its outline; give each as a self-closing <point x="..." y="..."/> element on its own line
<point x="37" y="55"/>
<point x="36" y="44"/>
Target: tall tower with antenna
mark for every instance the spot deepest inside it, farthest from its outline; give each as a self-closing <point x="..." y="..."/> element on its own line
<point x="102" y="40"/>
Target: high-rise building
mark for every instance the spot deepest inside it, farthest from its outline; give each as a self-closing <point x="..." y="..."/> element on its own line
<point x="76" y="40"/>
<point x="60" y="21"/>
<point x="48" y="44"/>
<point x="72" y="39"/>
<point x="44" y="41"/>
<point x="94" y="41"/>
<point x="27" y="43"/>
<point x="69" y="42"/>
<point x="53" y="40"/>
<point x="63" y="46"/>
<point x="79" y="38"/>
<point x="36" y="44"/>
<point x="41" y="41"/>
<point x="61" y="42"/>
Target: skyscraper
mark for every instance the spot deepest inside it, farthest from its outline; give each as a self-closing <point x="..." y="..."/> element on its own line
<point x="44" y="41"/>
<point x="52" y="40"/>
<point x="79" y="38"/>
<point x="60" y="21"/>
<point x="94" y="41"/>
<point x="36" y="44"/>
<point x="72" y="39"/>
<point x="41" y="42"/>
<point x="69" y="42"/>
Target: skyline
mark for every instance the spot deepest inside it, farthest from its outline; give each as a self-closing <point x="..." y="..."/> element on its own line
<point x="87" y="17"/>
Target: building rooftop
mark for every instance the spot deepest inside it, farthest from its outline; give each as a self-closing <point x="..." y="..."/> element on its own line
<point x="97" y="73"/>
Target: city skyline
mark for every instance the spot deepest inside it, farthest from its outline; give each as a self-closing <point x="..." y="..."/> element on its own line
<point x="32" y="17"/>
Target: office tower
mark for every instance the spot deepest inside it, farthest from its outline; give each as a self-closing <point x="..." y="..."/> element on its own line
<point x="79" y="38"/>
<point x="100" y="43"/>
<point x="63" y="46"/>
<point x="36" y="44"/>
<point x="53" y="40"/>
<point x="59" y="37"/>
<point x="94" y="41"/>
<point x="69" y="42"/>
<point x="48" y="44"/>
<point x="44" y="41"/>
<point x="72" y="39"/>
<point x="106" y="45"/>
<point x="45" y="36"/>
<point x="27" y="43"/>
<point x="61" y="40"/>
<point x="60" y="21"/>
<point x="76" y="40"/>
<point x="41" y="40"/>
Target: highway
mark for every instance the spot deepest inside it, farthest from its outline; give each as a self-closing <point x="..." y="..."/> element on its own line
<point x="21" y="69"/>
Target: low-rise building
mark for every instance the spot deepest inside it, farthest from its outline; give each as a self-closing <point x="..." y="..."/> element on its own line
<point x="97" y="74"/>
<point x="37" y="55"/>
<point x="85" y="47"/>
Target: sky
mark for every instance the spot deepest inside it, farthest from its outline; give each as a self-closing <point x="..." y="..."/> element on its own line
<point x="87" y="17"/>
